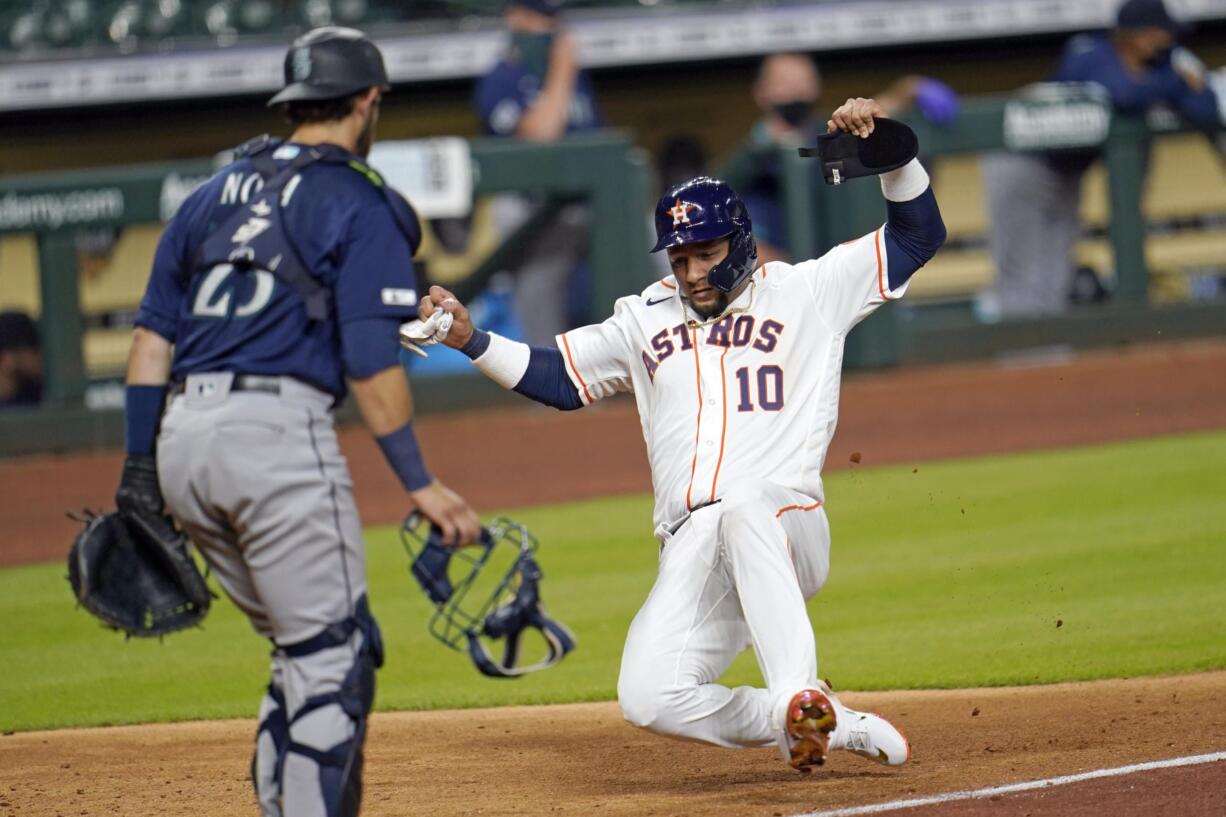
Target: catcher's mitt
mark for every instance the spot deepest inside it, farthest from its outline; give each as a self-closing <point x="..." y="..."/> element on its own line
<point x="134" y="571"/>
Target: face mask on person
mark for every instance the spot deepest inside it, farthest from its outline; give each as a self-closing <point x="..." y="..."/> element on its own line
<point x="532" y="49"/>
<point x="29" y="390"/>
<point x="1158" y="58"/>
<point x="795" y="113"/>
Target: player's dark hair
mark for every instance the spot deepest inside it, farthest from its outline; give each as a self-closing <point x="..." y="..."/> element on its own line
<point x="306" y="111"/>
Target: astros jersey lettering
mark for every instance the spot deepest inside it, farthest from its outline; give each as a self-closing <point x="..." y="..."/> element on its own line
<point x="748" y="396"/>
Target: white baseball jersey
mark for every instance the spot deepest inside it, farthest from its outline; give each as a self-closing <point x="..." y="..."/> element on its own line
<point x="752" y="394"/>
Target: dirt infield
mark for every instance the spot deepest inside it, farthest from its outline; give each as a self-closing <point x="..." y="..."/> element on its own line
<point x="533" y="455"/>
<point x="583" y="759"/>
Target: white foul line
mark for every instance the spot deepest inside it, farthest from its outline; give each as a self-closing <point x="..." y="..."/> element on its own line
<point x="978" y="794"/>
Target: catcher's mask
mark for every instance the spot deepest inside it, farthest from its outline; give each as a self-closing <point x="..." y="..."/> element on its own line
<point x="503" y="604"/>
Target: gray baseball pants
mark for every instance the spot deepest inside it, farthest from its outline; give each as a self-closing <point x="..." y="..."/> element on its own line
<point x="258" y="482"/>
<point x="1033" y="229"/>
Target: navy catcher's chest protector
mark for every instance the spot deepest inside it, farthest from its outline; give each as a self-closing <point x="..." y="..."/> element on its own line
<point x="254" y="236"/>
<point x="471" y="608"/>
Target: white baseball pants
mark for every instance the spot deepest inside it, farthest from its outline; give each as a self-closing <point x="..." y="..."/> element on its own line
<point x="735" y="574"/>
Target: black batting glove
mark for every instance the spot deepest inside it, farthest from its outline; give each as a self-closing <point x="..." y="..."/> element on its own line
<point x="139" y="491"/>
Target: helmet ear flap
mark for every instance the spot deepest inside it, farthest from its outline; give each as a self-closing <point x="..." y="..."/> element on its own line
<point x="742" y="257"/>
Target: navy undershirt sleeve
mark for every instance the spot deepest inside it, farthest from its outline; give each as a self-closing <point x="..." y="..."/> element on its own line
<point x="545" y="381"/>
<point x="477" y="344"/>
<point x="914" y="232"/>
<point x="370" y="345"/>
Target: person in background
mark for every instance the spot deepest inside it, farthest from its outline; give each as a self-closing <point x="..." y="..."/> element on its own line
<point x="787" y="91"/>
<point x="1034" y="199"/>
<point x="538" y="93"/>
<point x="681" y="158"/>
<point x="21" y="361"/>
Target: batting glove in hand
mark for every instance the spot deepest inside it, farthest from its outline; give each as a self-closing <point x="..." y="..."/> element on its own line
<point x="418" y="333"/>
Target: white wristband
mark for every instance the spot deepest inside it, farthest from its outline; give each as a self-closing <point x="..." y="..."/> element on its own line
<point x="905" y="183"/>
<point x="505" y="361"/>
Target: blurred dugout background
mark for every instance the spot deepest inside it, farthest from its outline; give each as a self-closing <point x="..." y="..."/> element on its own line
<point x="95" y="93"/>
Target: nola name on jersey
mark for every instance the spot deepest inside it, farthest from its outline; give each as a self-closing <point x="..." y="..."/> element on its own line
<point x="748" y="396"/>
<point x="241" y="184"/>
<point x="239" y="187"/>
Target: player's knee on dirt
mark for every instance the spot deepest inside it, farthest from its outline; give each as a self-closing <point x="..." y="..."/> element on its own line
<point x="271" y="740"/>
<point x="327" y="732"/>
<point x="666" y="709"/>
<point x="638" y="704"/>
<point x="644" y="707"/>
<point x="639" y="689"/>
<point x="651" y="701"/>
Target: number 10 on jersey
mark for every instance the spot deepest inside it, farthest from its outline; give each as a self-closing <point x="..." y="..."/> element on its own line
<point x="769" y="383"/>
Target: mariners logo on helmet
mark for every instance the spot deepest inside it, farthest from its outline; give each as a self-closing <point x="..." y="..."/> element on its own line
<point x="329" y="63"/>
<point x="301" y="64"/>
<point x="680" y="212"/>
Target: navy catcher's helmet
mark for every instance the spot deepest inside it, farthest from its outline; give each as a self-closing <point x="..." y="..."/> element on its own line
<point x="329" y="63"/>
<point x="704" y="209"/>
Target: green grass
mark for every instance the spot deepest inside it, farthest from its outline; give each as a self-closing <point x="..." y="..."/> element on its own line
<point x="954" y="575"/>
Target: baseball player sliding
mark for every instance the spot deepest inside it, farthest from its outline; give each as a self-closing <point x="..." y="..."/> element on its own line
<point x="735" y="369"/>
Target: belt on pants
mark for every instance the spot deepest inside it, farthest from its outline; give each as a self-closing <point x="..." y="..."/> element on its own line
<point x="679" y="525"/>
<point x="269" y="384"/>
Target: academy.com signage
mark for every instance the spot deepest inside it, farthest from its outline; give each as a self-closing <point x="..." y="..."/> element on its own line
<point x="50" y="211"/>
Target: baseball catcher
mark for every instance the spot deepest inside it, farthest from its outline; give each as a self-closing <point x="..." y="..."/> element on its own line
<point x="263" y="310"/>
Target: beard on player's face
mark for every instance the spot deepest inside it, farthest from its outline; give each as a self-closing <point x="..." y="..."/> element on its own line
<point x="366" y="138"/>
<point x="713" y="308"/>
<point x="691" y="264"/>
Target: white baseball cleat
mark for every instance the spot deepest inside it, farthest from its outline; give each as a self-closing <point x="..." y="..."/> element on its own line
<point x="869" y="735"/>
